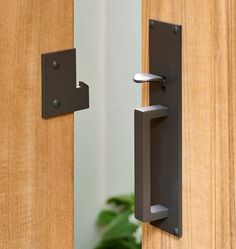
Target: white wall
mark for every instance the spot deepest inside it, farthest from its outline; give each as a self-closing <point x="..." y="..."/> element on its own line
<point x="108" y="42"/>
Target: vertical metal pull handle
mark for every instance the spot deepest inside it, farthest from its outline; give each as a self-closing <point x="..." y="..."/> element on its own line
<point x="144" y="210"/>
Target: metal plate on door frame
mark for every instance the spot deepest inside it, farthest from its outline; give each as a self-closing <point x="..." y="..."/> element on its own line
<point x="60" y="94"/>
<point x="165" y="57"/>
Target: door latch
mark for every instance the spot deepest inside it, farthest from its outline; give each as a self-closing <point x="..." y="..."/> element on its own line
<point x="60" y="94"/>
<point x="158" y="133"/>
<point x="147" y="77"/>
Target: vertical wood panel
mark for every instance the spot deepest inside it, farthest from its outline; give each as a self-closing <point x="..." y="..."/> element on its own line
<point x="36" y="155"/>
<point x="209" y="121"/>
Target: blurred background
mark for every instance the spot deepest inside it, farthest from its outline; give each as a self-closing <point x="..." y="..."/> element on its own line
<point x="108" y="42"/>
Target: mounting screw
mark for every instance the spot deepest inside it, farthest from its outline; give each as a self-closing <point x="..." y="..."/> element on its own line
<point x="176" y="231"/>
<point x="152" y="24"/>
<point x="175" y="29"/>
<point x="56" y="103"/>
<point x="55" y="64"/>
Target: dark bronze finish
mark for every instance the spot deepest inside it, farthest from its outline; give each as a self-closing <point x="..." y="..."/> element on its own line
<point x="59" y="92"/>
<point x="158" y="163"/>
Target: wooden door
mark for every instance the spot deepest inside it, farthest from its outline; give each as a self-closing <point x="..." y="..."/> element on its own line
<point x="209" y="121"/>
<point x="36" y="155"/>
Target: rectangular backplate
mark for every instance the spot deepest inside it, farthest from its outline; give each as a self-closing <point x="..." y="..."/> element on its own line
<point x="166" y="136"/>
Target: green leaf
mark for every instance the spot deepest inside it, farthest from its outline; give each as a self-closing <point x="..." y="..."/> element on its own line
<point x="109" y="245"/>
<point x="118" y="244"/>
<point x="129" y="244"/>
<point x="122" y="200"/>
<point x="120" y="228"/>
<point x="105" y="217"/>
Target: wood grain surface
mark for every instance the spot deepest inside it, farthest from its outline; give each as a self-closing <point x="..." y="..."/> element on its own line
<point x="209" y="121"/>
<point x="36" y="155"/>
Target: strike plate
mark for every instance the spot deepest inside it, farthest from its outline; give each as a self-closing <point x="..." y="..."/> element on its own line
<point x="165" y="53"/>
<point x="60" y="95"/>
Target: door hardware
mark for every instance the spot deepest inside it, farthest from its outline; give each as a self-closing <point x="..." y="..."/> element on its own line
<point x="143" y="118"/>
<point x="158" y="133"/>
<point x="147" y="77"/>
<point x="60" y="95"/>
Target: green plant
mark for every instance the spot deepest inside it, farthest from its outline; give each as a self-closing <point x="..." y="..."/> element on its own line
<point x="120" y="230"/>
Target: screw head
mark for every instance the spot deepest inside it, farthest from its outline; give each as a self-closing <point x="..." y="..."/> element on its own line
<point x="55" y="64"/>
<point x="175" y="29"/>
<point x="56" y="103"/>
<point x="152" y="24"/>
<point x="176" y="231"/>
